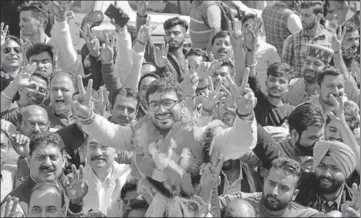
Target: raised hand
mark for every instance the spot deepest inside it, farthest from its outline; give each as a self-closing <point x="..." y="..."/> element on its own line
<point x="212" y="98"/>
<point x="75" y="186"/>
<point x="338" y="113"/>
<point x="11" y="205"/>
<point x="250" y="38"/>
<point x="145" y="32"/>
<point x="4" y="32"/>
<point x="338" y="38"/>
<point x="236" y="36"/>
<point x="83" y="105"/>
<point x="190" y="81"/>
<point x="142" y="7"/>
<point x="100" y="104"/>
<point x="352" y="208"/>
<point x="206" y="69"/>
<point x="20" y="144"/>
<point x="107" y="51"/>
<point x="92" y="42"/>
<point x="243" y="96"/>
<point x="160" y="56"/>
<point x="22" y="79"/>
<point x="61" y="11"/>
<point x="210" y="172"/>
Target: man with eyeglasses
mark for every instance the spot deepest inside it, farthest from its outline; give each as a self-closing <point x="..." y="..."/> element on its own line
<point x="11" y="60"/>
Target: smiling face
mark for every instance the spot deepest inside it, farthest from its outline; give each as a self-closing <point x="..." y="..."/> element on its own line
<point x="222" y="48"/>
<point x="99" y="156"/>
<point x="61" y="93"/>
<point x="5" y="145"/>
<point x="43" y="62"/>
<point x="124" y="110"/>
<point x="11" y="54"/>
<point x="311" y="67"/>
<point x="35" y="92"/>
<point x="46" y="163"/>
<point x="35" y="120"/>
<point x="279" y="189"/>
<point x="332" y="133"/>
<point x="164" y="109"/>
<point x="330" y="178"/>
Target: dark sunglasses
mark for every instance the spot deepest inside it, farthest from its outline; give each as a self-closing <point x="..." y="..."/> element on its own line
<point x="17" y="50"/>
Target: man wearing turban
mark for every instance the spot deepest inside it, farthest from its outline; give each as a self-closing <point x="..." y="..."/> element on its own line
<point x="326" y="191"/>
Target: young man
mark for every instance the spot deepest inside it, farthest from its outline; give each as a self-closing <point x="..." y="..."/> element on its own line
<point x="279" y="192"/>
<point x="302" y="89"/>
<point x="124" y="107"/>
<point x="221" y="46"/>
<point x="294" y="50"/>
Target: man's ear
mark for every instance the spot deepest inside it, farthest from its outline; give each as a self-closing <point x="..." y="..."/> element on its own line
<point x="295" y="194"/>
<point x="319" y="16"/>
<point x="294" y="136"/>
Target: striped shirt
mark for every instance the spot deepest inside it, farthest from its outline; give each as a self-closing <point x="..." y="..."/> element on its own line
<point x="294" y="50"/>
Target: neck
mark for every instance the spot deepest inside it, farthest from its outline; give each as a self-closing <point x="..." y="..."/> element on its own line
<point x="311" y="87"/>
<point x="67" y="113"/>
<point x="38" y="38"/>
<point x="326" y="108"/>
<point x="102" y="173"/>
<point x="276" y="101"/>
<point x="12" y="70"/>
<point x="312" y="32"/>
<point x="233" y="173"/>
<point x="178" y="52"/>
<point x="278" y="213"/>
<point x="332" y="196"/>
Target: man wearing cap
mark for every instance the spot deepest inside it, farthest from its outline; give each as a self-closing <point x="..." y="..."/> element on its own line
<point x="326" y="190"/>
<point x="301" y="89"/>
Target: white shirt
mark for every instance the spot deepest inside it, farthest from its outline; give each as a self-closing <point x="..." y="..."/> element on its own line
<point x="102" y="187"/>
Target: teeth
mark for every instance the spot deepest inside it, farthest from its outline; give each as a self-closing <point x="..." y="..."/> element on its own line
<point x="163" y="117"/>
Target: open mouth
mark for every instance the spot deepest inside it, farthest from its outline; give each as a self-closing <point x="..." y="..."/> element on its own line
<point x="59" y="101"/>
<point x="47" y="171"/>
<point x="163" y="116"/>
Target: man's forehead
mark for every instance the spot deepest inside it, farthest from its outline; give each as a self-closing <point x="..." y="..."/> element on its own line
<point x="44" y="149"/>
<point x="281" y="177"/>
<point x="41" y="56"/>
<point x="11" y="44"/>
<point x="352" y="34"/>
<point x="175" y="28"/>
<point x="163" y="95"/>
<point x="34" y="112"/>
<point x="62" y="79"/>
<point x="222" y="39"/>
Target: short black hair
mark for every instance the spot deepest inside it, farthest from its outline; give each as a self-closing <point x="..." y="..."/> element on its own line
<point x="39" y="48"/>
<point x="198" y="52"/>
<point x="165" y="85"/>
<point x="41" y="75"/>
<point x="280" y="69"/>
<point x="174" y="21"/>
<point x="350" y="27"/>
<point x="328" y="71"/>
<point x="220" y="34"/>
<point x="250" y="16"/>
<point x="317" y="6"/>
<point x="305" y="115"/>
<point x="38" y="11"/>
<point x="288" y="165"/>
<point x="46" y="138"/>
<point x="129" y="186"/>
<point x="126" y="92"/>
<point x="145" y="76"/>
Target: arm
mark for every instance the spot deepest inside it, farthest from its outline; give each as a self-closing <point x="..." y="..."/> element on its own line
<point x="13" y="116"/>
<point x="111" y="81"/>
<point x="294" y="23"/>
<point x="96" y="75"/>
<point x="75" y="210"/>
<point x="108" y="133"/>
<point x="134" y="77"/>
<point x="228" y="140"/>
<point x="214" y="17"/>
<point x="124" y="61"/>
<point x="352" y="91"/>
<point x="287" y="52"/>
<point x="273" y="56"/>
<point x="7" y="95"/>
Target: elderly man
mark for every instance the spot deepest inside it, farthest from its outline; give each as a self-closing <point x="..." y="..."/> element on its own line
<point x="240" y="208"/>
<point x="333" y="163"/>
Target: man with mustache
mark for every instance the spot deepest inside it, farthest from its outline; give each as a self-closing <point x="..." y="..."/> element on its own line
<point x="105" y="177"/>
<point x="302" y="89"/>
<point x="279" y="192"/>
<point x="333" y="163"/>
<point x="47" y="159"/>
<point x="294" y="50"/>
<point x="221" y="46"/>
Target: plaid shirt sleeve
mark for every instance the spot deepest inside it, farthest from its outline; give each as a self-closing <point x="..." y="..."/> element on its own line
<point x="287" y="52"/>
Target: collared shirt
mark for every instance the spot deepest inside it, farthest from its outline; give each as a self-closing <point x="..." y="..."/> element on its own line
<point x="235" y="186"/>
<point x="7" y="180"/>
<point x="58" y="121"/>
<point x="102" y="187"/>
<point x="294" y="50"/>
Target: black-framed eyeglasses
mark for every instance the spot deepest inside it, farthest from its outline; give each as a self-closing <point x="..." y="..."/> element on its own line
<point x="17" y="50"/>
<point x="167" y="104"/>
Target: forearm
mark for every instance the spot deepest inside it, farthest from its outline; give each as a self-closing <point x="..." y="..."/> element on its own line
<point x="350" y="140"/>
<point x="141" y="20"/>
<point x="96" y="74"/>
<point x="75" y="210"/>
<point x="111" y="81"/>
<point x="134" y="77"/>
<point x="124" y="61"/>
<point x="7" y="95"/>
<point x="340" y="64"/>
<point x="239" y="62"/>
<point x="352" y="91"/>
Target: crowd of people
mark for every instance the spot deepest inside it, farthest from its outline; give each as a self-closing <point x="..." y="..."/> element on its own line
<point x="238" y="125"/>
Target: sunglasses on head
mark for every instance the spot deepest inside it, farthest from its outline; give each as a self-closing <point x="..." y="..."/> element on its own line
<point x="17" y="50"/>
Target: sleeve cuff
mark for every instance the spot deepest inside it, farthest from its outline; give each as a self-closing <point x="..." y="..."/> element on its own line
<point x="107" y="68"/>
<point x="75" y="209"/>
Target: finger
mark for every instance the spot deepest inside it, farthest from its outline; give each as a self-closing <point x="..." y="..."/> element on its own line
<point x="2" y="26"/>
<point x="103" y="46"/>
<point x="7" y="205"/>
<point x="15" y="205"/>
<point x="113" y="21"/>
<point x="228" y="93"/>
<point x="186" y="67"/>
<point x="147" y="23"/>
<point x="352" y="212"/>
<point x="101" y="94"/>
<point x="220" y="163"/>
<point x="232" y="84"/>
<point x="230" y="30"/>
<point x="343" y="32"/>
<point x="89" y="33"/>
<point x="81" y="86"/>
<point x="166" y="49"/>
<point x="107" y="41"/>
<point x="75" y="171"/>
<point x="81" y="172"/>
<point x="89" y="89"/>
<point x="210" y="82"/>
<point x="245" y="79"/>
<point x="6" y="30"/>
<point x="106" y="96"/>
<point x="162" y="48"/>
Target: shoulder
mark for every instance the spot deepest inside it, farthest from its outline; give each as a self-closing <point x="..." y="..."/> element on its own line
<point x="295" y="82"/>
<point x="121" y="169"/>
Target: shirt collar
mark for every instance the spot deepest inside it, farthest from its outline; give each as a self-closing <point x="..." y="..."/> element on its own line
<point x="322" y="31"/>
<point x="338" y="201"/>
<point x="97" y="180"/>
